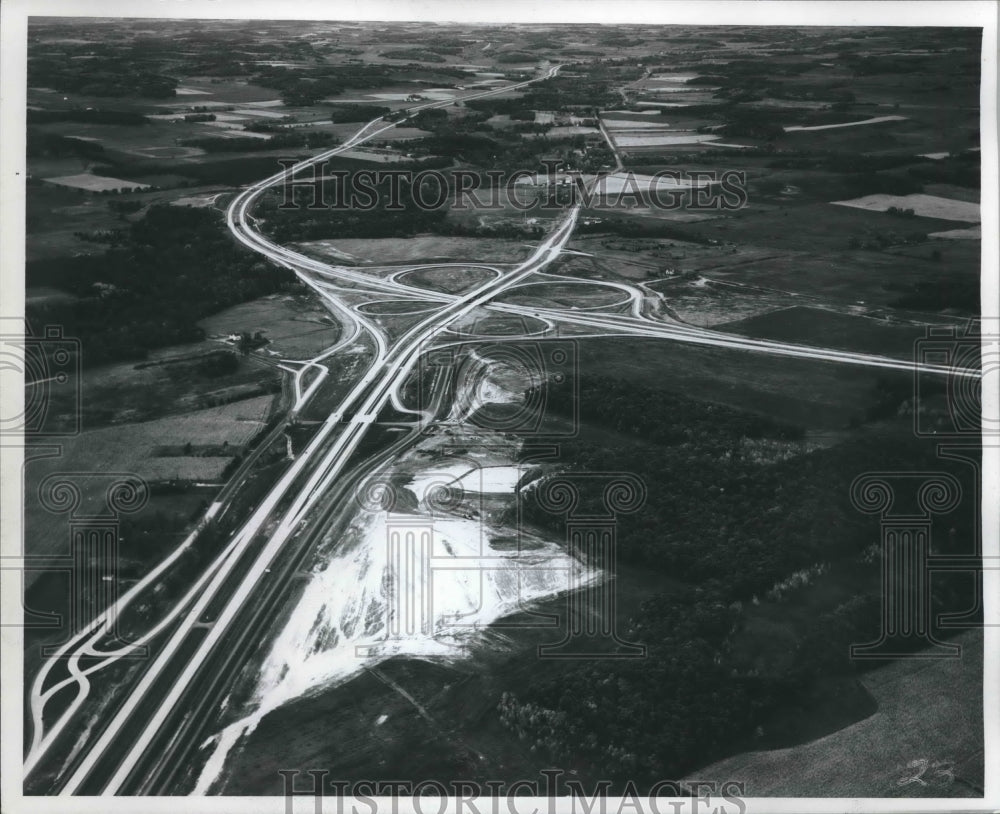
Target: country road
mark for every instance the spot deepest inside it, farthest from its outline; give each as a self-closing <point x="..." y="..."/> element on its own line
<point x="380" y="383"/>
<point x="201" y="642"/>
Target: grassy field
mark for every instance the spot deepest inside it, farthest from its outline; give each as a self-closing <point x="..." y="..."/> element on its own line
<point x="820" y="396"/>
<point x="815" y="326"/>
<point x="394" y="307"/>
<point x="924" y="740"/>
<point x="296" y="327"/>
<point x="563" y="295"/>
<point x="925" y="206"/>
<point x="427" y="249"/>
<point x="850" y="277"/>
<point x="55" y="214"/>
<point x="450" y="280"/>
<point x="484" y="323"/>
<point x="131" y="448"/>
<point x="706" y="304"/>
<point x="168" y="383"/>
<point x="95" y="183"/>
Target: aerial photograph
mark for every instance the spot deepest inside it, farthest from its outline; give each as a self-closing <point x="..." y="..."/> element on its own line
<point x="500" y="410"/>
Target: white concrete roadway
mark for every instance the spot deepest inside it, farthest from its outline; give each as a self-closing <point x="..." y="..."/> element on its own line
<point x="85" y="644"/>
<point x="397" y="365"/>
<point x="394" y="366"/>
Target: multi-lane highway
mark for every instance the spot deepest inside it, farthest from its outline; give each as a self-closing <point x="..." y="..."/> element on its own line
<point x="180" y="657"/>
<point x="197" y="646"/>
<point x="229" y="575"/>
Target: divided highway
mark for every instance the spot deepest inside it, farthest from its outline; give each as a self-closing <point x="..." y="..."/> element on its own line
<point x="136" y="748"/>
<point x="102" y="769"/>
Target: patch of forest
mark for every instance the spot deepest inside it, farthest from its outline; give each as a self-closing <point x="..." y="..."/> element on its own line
<point x="747" y="535"/>
<point x="172" y="268"/>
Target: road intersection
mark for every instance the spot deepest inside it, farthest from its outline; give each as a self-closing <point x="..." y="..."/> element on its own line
<point x="183" y="641"/>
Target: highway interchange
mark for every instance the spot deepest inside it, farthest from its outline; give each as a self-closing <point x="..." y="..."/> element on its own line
<point x="196" y="647"/>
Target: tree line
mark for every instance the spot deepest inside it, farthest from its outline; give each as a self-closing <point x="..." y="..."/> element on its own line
<point x="722" y="524"/>
<point x="172" y="268"/>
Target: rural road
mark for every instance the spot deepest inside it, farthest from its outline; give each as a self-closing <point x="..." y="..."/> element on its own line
<point x="154" y="720"/>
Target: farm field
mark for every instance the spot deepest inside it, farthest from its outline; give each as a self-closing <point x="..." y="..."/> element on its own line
<point x="170" y="382"/>
<point x="158" y="138"/>
<point x="859" y="230"/>
<point x="96" y="183"/>
<point x="823" y="328"/>
<point x="296" y="326"/>
<point x="813" y="227"/>
<point x="706" y="304"/>
<point x="822" y="397"/>
<point x="617" y="124"/>
<point x="928" y="726"/>
<point x="926" y="206"/>
<point x="974" y="233"/>
<point x="199" y="90"/>
<point x="876" y="120"/>
<point x="664" y="140"/>
<point x="846" y="278"/>
<point x="399" y="134"/>
<point x="616" y="182"/>
<point x="132" y="449"/>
